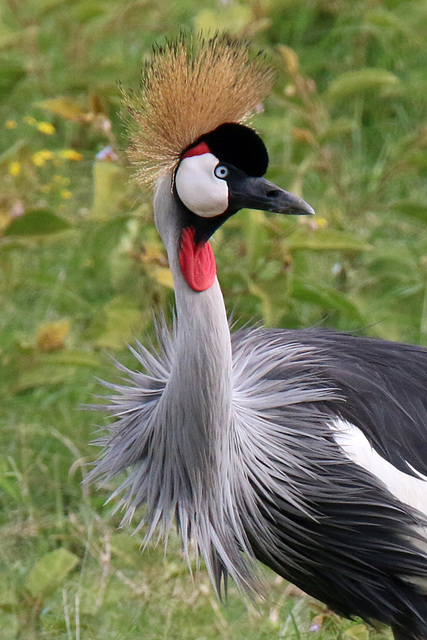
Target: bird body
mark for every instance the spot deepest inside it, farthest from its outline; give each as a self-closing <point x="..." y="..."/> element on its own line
<point x="303" y="449"/>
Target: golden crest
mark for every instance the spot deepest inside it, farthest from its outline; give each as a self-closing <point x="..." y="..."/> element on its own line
<point x="188" y="88"/>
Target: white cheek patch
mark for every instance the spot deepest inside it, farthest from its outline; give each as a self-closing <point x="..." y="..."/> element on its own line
<point x="199" y="188"/>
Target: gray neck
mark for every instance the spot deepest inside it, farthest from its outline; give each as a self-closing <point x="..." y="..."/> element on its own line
<point x="197" y="399"/>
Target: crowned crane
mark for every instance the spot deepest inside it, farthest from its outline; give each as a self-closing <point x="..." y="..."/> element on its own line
<point x="304" y="449"/>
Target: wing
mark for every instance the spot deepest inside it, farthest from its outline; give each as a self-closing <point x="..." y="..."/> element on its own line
<point x="381" y="388"/>
<point x="324" y="521"/>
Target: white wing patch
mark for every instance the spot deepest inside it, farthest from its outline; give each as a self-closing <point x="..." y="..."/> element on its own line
<point x="199" y="188"/>
<point x="412" y="491"/>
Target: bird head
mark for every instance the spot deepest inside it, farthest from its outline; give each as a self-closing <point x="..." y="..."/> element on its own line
<point x="187" y="133"/>
<point x="222" y="172"/>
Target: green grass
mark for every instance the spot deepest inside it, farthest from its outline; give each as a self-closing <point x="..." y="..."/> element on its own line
<point x="82" y="270"/>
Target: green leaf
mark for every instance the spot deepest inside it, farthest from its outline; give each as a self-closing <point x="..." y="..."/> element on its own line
<point x="358" y="632"/>
<point x="47" y="369"/>
<point x="64" y="107"/>
<point x="256" y="235"/>
<point x="9" y="600"/>
<point x="416" y="158"/>
<point x="326" y="297"/>
<point x="232" y="18"/>
<point x="39" y="222"/>
<point x="298" y="621"/>
<point x="268" y="308"/>
<point x="415" y="210"/>
<point x="49" y="572"/>
<point x="10" y="74"/>
<point x="325" y="240"/>
<point x="105" y="237"/>
<point x="117" y="324"/>
<point x="354" y="82"/>
<point x="43" y="375"/>
<point x="74" y="357"/>
<point x="126" y="547"/>
<point x="394" y="266"/>
<point x="338" y="128"/>
<point x="109" y="181"/>
<point x="10" y="484"/>
<point x="9" y="624"/>
<point x="391" y="21"/>
<point x="13" y="151"/>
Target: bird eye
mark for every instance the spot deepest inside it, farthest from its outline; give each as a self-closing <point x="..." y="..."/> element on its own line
<point x="221" y="171"/>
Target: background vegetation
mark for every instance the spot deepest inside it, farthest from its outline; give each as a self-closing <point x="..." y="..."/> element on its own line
<point x="82" y="270"/>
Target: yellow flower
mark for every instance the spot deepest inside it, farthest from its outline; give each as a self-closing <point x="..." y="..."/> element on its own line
<point x="66" y="194"/>
<point x="14" y="168"/>
<point x="11" y="124"/>
<point x="71" y="154"/>
<point x="45" y="188"/>
<point x="321" y="223"/>
<point x="30" y="120"/>
<point x="46" y="127"/>
<point x="41" y="157"/>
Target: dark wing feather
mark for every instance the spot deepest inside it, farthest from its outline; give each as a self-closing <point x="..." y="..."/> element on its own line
<point x="383" y="387"/>
<point x="351" y="543"/>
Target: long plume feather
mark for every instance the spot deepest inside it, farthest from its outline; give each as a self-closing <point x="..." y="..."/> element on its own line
<point x="188" y="88"/>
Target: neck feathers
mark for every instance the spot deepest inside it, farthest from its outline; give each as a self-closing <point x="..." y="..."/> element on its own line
<point x="199" y="387"/>
<point x="173" y="422"/>
<point x="194" y="412"/>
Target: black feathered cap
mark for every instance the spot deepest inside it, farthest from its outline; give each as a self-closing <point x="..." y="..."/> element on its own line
<point x="239" y="146"/>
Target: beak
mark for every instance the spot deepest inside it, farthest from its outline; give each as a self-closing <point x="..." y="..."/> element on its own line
<point x="258" y="193"/>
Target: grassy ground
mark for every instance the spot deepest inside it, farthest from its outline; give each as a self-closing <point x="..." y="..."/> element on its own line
<point x="81" y="272"/>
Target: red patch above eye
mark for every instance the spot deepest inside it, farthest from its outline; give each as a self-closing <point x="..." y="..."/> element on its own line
<point x="199" y="150"/>
<point x="197" y="262"/>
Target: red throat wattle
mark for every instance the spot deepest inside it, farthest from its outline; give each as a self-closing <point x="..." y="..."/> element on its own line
<point x="197" y="261"/>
